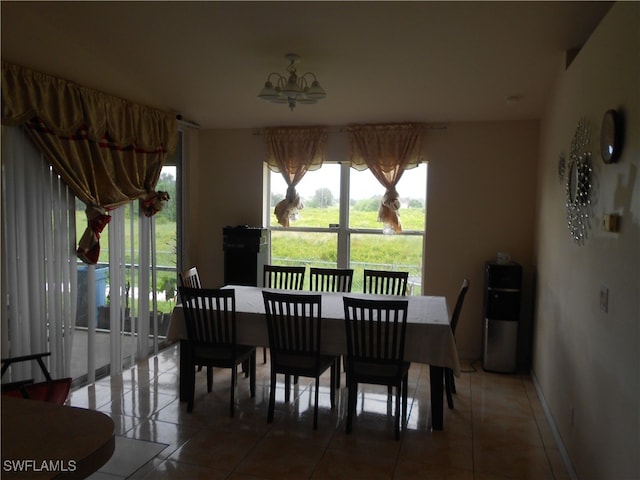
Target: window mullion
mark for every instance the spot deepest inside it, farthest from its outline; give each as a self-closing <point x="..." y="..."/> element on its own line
<point x="343" y="229"/>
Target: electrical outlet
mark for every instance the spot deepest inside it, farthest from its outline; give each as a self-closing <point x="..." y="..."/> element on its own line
<point x="604" y="298"/>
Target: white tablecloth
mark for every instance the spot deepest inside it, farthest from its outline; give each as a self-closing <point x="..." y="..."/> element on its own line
<point x="429" y="338"/>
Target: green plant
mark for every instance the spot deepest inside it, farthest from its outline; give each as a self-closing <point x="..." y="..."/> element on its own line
<point x="169" y="285"/>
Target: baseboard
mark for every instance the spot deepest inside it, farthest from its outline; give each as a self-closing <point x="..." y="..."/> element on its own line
<point x="554" y="429"/>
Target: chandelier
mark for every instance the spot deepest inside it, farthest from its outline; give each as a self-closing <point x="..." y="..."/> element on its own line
<point x="294" y="89"/>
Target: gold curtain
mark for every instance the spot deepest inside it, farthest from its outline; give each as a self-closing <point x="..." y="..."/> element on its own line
<point x="293" y="152"/>
<point x="109" y="151"/>
<point x="387" y="150"/>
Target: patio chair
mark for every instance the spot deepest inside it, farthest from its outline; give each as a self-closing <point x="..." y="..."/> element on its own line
<point x="53" y="391"/>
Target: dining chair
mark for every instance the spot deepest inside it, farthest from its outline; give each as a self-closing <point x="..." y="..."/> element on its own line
<point x="375" y="332"/>
<point x="210" y="317"/>
<point x="51" y="390"/>
<point x="190" y="278"/>
<point x="449" y="382"/>
<point x="330" y="279"/>
<point x="385" y="282"/>
<point x="294" y="323"/>
<point x="284" y="278"/>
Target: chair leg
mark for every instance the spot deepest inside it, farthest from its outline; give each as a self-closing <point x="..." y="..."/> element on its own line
<point x="192" y="389"/>
<point x="335" y="370"/>
<point x="405" y="396"/>
<point x="447" y="387"/>
<point x="398" y="413"/>
<point x="234" y="381"/>
<point x="209" y="379"/>
<point x="252" y="375"/>
<point x="315" y="408"/>
<point x="272" y="396"/>
<point x="453" y="381"/>
<point x="352" y="389"/>
<point x="264" y="354"/>
<point x="287" y="387"/>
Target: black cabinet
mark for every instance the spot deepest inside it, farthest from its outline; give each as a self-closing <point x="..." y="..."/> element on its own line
<point x="245" y="254"/>
<point x="502" y="299"/>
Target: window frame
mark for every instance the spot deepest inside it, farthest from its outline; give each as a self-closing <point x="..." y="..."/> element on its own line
<point x="342" y="230"/>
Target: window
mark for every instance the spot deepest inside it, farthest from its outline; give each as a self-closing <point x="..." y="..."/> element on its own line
<point x="338" y="226"/>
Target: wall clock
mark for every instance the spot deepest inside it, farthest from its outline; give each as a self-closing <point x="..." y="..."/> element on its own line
<point x="611" y="136"/>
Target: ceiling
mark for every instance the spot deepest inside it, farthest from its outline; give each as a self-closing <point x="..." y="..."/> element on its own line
<point x="378" y="61"/>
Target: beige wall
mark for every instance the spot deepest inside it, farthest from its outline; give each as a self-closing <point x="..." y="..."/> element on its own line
<point x="481" y="200"/>
<point x="586" y="360"/>
<point x="223" y="186"/>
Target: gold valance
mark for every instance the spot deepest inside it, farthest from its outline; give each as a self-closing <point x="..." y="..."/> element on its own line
<point x="65" y="107"/>
<point x="388" y="145"/>
<point x="292" y="148"/>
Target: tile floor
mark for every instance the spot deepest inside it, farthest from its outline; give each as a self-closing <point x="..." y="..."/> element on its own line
<point x="496" y="431"/>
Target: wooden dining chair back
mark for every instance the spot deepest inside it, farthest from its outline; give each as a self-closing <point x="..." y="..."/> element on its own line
<point x="384" y="282"/>
<point x="190" y="278"/>
<point x="50" y="390"/>
<point x="331" y="279"/>
<point x="283" y="277"/>
<point x="449" y="379"/>
<point x="210" y="317"/>
<point x="375" y="333"/>
<point x="294" y="323"/>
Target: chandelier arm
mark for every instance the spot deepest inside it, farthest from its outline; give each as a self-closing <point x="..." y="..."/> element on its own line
<point x="302" y="83"/>
<point x="278" y="76"/>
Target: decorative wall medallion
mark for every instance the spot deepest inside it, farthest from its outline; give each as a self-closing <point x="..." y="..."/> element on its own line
<point x="578" y="182"/>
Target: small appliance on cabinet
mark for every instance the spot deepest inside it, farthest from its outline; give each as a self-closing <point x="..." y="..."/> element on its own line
<point x="503" y="283"/>
<point x="245" y="253"/>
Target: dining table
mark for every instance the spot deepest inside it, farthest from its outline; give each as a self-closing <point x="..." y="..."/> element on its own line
<point x="429" y="338"/>
<point x="42" y="440"/>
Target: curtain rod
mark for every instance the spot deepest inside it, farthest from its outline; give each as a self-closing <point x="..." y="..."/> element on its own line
<point x="186" y="123"/>
<point x="260" y="131"/>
